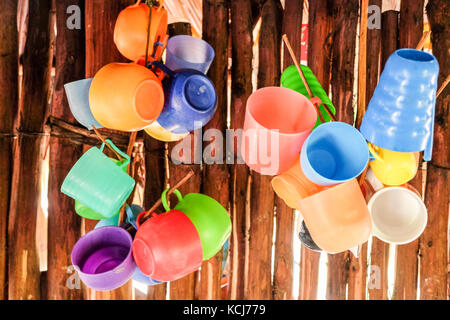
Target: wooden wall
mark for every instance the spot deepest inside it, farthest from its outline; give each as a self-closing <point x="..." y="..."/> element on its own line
<point x="36" y="127"/>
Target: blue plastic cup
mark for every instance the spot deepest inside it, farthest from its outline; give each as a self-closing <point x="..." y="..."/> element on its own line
<point x="190" y="100"/>
<point x="400" y="115"/>
<point x="333" y="153"/>
<point x="132" y="213"/>
<point x="78" y="97"/>
<point x="187" y="52"/>
<point x="142" y="278"/>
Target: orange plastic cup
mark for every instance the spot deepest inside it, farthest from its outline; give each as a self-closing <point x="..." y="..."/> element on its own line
<point x="131" y="29"/>
<point x="337" y="218"/>
<point x="126" y="96"/>
<point x="293" y="186"/>
<point x="277" y="123"/>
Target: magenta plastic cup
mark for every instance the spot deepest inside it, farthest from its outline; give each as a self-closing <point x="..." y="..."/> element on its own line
<point x="103" y="258"/>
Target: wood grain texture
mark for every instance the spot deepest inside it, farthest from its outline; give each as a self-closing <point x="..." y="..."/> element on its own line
<point x="319" y="60"/>
<point x="410" y="29"/>
<point x="434" y="241"/>
<point x="380" y="250"/>
<point x="262" y="195"/>
<point x="9" y="74"/>
<point x="410" y="23"/>
<point x="345" y="20"/>
<point x="100" y="18"/>
<point x="241" y="88"/>
<point x="24" y="272"/>
<point x="283" y="276"/>
<point x="64" y="224"/>
<point x="216" y="176"/>
<point x="292" y="27"/>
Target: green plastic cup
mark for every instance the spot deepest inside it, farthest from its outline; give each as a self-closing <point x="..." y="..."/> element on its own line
<point x="86" y="212"/>
<point x="211" y="220"/>
<point x="98" y="183"/>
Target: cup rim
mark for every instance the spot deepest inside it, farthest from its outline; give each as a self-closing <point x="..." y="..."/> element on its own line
<point x="378" y="233"/>
<point x="112" y="271"/>
<point x="399" y="52"/>
<point x="211" y="53"/>
<point x="308" y="102"/>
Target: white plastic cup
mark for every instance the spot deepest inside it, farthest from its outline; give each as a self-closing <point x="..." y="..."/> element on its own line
<point x="399" y="215"/>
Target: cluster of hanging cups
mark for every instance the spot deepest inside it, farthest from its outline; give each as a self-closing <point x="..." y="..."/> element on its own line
<point x="316" y="162"/>
<point x="166" y="100"/>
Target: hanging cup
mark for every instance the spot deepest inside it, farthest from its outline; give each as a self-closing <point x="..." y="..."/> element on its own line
<point x="98" y="183"/>
<point x="333" y="153"/>
<point x="126" y="96"/>
<point x="293" y="186"/>
<point x="209" y="217"/>
<point x="277" y="122"/>
<point x="399" y="215"/>
<point x="187" y="52"/>
<point x="77" y="93"/>
<point x="337" y="218"/>
<point x="400" y="115"/>
<point x="103" y="258"/>
<point x="190" y="100"/>
<point x="131" y="29"/>
<point x="167" y="246"/>
<point x="393" y="168"/>
<point x="159" y="133"/>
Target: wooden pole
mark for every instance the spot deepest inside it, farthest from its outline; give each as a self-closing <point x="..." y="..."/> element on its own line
<point x="8" y="111"/>
<point x="434" y="241"/>
<point x="64" y="225"/>
<point x="24" y="271"/>
<point x="379" y="258"/>
<point x="101" y="50"/>
<point x="241" y="74"/>
<point x="184" y="288"/>
<point x="319" y="47"/>
<point x="284" y="242"/>
<point x="345" y="20"/>
<point x="216" y="176"/>
<point x="405" y="286"/>
<point x="262" y="195"/>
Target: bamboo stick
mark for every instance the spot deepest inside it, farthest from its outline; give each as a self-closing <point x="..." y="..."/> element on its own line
<point x="101" y="138"/>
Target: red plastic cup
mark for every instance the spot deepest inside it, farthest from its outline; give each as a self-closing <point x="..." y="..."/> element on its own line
<point x="167" y="246"/>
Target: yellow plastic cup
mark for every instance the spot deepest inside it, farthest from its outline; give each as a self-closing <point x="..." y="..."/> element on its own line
<point x="156" y="131"/>
<point x="393" y="168"/>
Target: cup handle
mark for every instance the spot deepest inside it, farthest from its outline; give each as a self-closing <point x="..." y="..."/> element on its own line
<point x="161" y="66"/>
<point x="123" y="154"/>
<point x="164" y="198"/>
<point x="373" y="152"/>
<point x="316" y="101"/>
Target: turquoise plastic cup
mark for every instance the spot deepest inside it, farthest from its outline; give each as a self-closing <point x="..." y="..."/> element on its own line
<point x="86" y="212"/>
<point x="98" y="183"/>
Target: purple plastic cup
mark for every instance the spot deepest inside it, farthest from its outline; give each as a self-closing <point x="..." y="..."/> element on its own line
<point x="103" y="258"/>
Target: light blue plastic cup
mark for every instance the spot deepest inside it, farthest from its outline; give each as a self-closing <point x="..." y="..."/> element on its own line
<point x="187" y="52"/>
<point x="78" y="97"/>
<point x="333" y="153"/>
<point x="400" y="115"/>
<point x="132" y="213"/>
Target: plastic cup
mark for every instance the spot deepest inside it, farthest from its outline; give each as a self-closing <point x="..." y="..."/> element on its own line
<point x="77" y="93"/>
<point x="187" y="52"/>
<point x="337" y="218"/>
<point x="211" y="220"/>
<point x="277" y="122"/>
<point x="393" y="168"/>
<point x="334" y="152"/>
<point x="131" y="29"/>
<point x="159" y="133"/>
<point x="293" y="186"/>
<point x="98" y="183"/>
<point x="103" y="258"/>
<point x="126" y="96"/>
<point x="131" y="212"/>
<point x="190" y="100"/>
<point x="399" y="215"/>
<point x="167" y="246"/>
<point x="142" y="278"/>
<point x="400" y="115"/>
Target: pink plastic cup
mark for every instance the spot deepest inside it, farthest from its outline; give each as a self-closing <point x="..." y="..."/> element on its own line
<point x="277" y="122"/>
